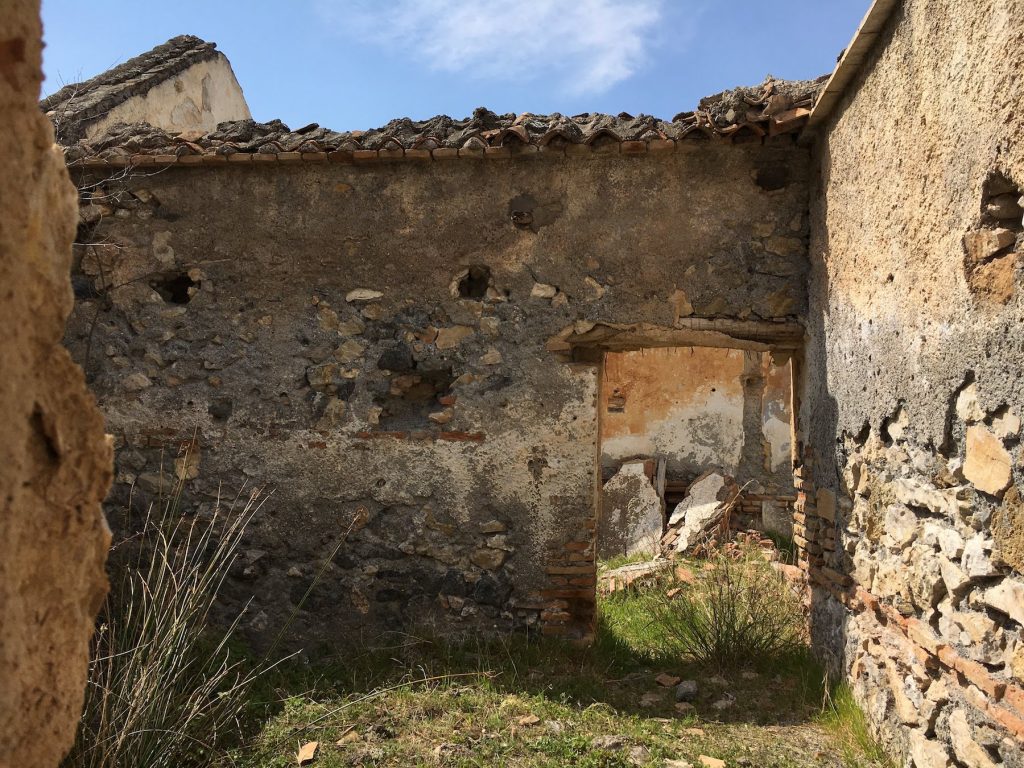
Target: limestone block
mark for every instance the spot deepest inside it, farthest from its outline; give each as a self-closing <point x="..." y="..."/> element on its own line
<point x="632" y="513"/>
<point x="901" y="527"/>
<point x="967" y="407"/>
<point x="967" y="750"/>
<point x="1007" y="597"/>
<point x="927" y="753"/>
<point x="988" y="462"/>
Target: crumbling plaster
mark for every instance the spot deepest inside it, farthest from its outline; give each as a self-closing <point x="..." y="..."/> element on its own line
<point x="448" y="429"/>
<point x="914" y="360"/>
<point x="54" y="460"/>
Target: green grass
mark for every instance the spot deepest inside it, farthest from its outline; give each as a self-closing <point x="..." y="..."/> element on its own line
<point x="849" y="727"/>
<point x="513" y="701"/>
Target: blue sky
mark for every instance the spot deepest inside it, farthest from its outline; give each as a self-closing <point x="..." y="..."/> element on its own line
<point x="355" y="64"/>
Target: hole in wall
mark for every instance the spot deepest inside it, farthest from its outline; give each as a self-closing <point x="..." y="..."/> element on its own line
<point x="175" y="288"/>
<point x="772" y="177"/>
<point x="474" y="284"/>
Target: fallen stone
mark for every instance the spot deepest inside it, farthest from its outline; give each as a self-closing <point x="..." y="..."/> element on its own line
<point x="607" y="742"/>
<point x="700" y="510"/>
<point x="666" y="680"/>
<point x="988" y="462"/>
<point x="649" y="700"/>
<point x="687" y="690"/>
<point x="632" y="513"/>
<point x="362" y="294"/>
<point x="711" y="762"/>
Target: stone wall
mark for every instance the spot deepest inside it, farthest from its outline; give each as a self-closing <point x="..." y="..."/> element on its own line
<point x="54" y="462"/>
<point x="910" y="503"/>
<point x="407" y="354"/>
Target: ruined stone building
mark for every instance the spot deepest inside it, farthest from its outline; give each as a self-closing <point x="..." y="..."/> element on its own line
<point x="439" y="341"/>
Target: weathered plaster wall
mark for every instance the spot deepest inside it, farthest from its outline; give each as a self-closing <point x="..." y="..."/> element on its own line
<point x="913" y="384"/>
<point x="196" y="99"/>
<point x="444" y="426"/>
<point x="54" y="462"/>
<point x="687" y="404"/>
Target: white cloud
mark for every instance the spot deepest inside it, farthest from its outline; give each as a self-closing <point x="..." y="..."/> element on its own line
<point x="587" y="46"/>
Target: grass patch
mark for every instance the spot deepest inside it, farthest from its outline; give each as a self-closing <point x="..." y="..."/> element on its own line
<point x="845" y="720"/>
<point x="513" y="701"/>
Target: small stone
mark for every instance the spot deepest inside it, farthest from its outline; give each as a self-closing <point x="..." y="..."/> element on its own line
<point x="900" y="527"/>
<point x="595" y="289"/>
<point x="724" y="703"/>
<point x="500" y="541"/>
<point x="488" y="559"/>
<point x="687" y="690"/>
<point x="543" y="291"/>
<point x="649" y="700"/>
<point x="681" y="306"/>
<point x="294" y="573"/>
<point x="607" y="742"/>
<point x="685" y="708"/>
<point x="348" y="352"/>
<point x="493" y="526"/>
<point x="988" y="462"/>
<point x="711" y="762"/>
<point x="362" y="294"/>
<point x="490" y="326"/>
<point x="666" y="680"/>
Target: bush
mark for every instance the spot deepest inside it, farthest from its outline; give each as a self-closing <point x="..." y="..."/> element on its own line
<point x="738" y="612"/>
<point x="163" y="690"/>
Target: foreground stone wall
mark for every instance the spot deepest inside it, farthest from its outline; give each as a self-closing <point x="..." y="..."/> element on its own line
<point x="913" y="402"/>
<point x="54" y="462"/>
<point x="391" y="348"/>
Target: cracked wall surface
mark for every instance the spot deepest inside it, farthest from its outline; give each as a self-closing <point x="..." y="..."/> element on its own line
<point x="378" y="344"/>
<point x="54" y="460"/>
<point x="913" y="394"/>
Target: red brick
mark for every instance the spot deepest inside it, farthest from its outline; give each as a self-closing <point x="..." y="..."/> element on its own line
<point x="571" y="570"/>
<point x="633" y="147"/>
<point x="289" y="157"/>
<point x="462" y="437"/>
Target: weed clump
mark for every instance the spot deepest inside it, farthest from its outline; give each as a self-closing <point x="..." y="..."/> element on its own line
<point x="163" y="690"/>
<point x="738" y="611"/>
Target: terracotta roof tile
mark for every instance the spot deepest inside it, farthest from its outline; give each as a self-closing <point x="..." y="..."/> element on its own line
<point x="741" y="115"/>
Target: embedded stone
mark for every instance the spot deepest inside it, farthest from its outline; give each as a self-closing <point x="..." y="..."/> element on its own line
<point x="928" y="753"/>
<point x="976" y="560"/>
<point x="967" y="750"/>
<point x="1004" y="207"/>
<point x="488" y="559"/>
<point x="348" y="352"/>
<point x="900" y="527"/>
<point x="982" y="244"/>
<point x="988" y="462"/>
<point x="451" y="337"/>
<point x="953" y="576"/>
<point x="1006" y="424"/>
<point x="493" y="526"/>
<point x="491" y="357"/>
<point x="1006" y="597"/>
<point x="543" y="291"/>
<point x="135" y="382"/>
<point x="967" y="407"/>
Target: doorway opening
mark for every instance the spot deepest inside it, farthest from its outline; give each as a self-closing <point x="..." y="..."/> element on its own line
<point x="685" y="428"/>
